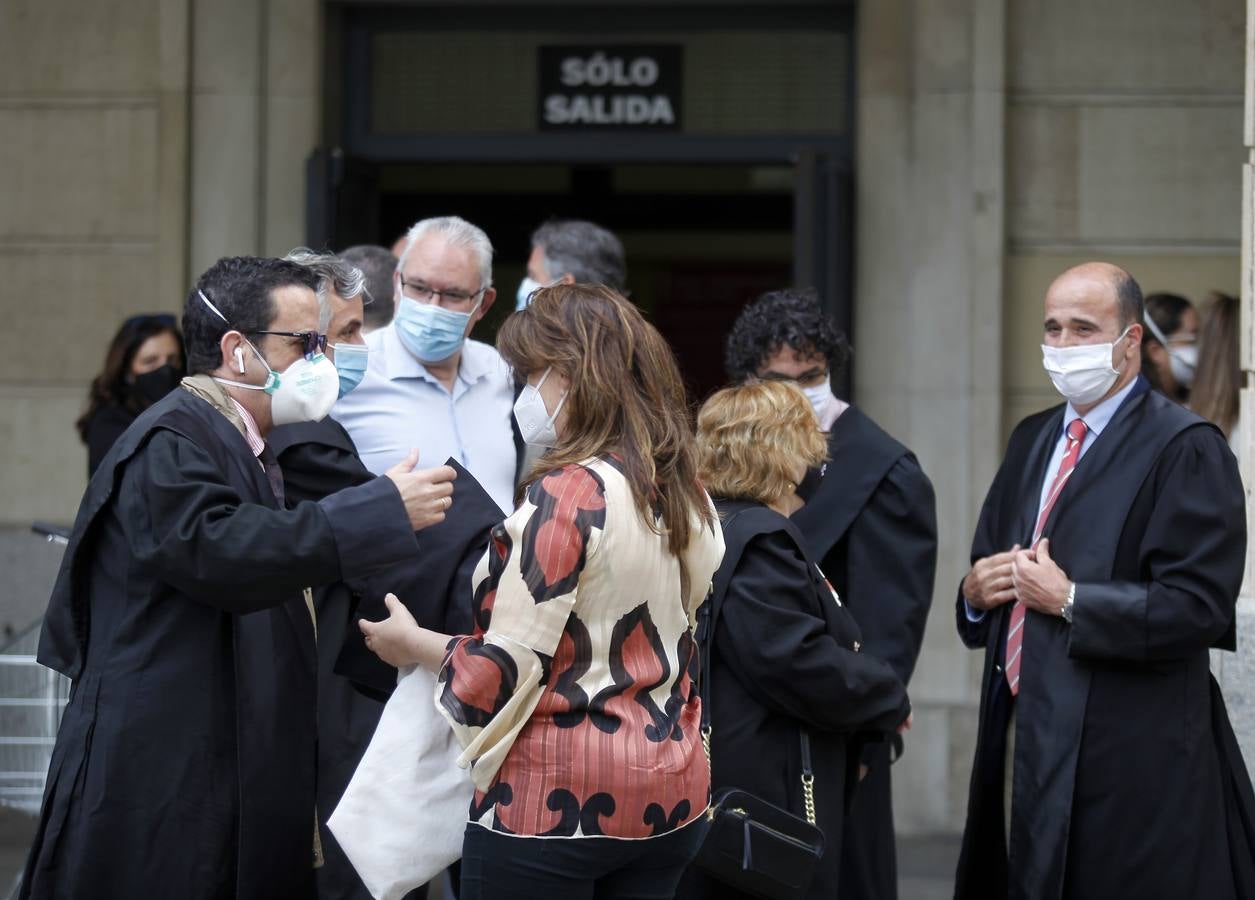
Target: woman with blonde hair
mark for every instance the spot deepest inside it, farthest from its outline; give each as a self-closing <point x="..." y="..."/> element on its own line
<point x="574" y="698"/>
<point x="789" y="691"/>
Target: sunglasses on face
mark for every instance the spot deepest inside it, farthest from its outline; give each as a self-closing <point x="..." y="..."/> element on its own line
<point x="313" y="342"/>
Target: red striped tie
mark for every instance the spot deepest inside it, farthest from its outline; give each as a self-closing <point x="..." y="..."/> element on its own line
<point x="1015" y="631"/>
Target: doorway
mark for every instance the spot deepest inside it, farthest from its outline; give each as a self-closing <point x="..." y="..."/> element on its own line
<point x="746" y="189"/>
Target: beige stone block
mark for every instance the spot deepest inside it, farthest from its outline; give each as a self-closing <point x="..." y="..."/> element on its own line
<point x="294" y="60"/>
<point x="227" y="47"/>
<point x="52" y="47"/>
<point x="961" y="752"/>
<point x="295" y="119"/>
<point x="83" y="295"/>
<point x="85" y="172"/>
<point x="225" y="179"/>
<point x="942" y="50"/>
<point x="1170" y="175"/>
<point x="1042" y="200"/>
<point x="45" y="464"/>
<point x="1130" y="46"/>
<point x="943" y="673"/>
<point x="882" y="44"/>
<point x="919" y="807"/>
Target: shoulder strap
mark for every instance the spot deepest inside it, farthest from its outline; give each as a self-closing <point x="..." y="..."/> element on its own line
<point x="708" y="619"/>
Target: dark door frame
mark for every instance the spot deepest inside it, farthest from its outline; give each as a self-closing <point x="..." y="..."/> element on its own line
<point x="824" y="193"/>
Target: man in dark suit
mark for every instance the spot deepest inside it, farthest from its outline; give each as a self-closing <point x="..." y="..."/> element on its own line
<point x="1106" y="563"/>
<point x="317" y="460"/>
<point x="870" y="519"/>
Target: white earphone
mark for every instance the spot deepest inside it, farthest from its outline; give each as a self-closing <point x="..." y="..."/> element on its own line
<point x="239" y="360"/>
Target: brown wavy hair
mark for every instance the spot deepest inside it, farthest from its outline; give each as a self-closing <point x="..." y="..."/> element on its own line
<point x="751" y="437"/>
<point x="626" y="399"/>
<point x="1218" y="378"/>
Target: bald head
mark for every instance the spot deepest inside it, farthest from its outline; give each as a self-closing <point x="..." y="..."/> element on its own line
<point x="1095" y="279"/>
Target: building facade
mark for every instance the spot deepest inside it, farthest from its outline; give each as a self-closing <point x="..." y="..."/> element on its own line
<point x="930" y="165"/>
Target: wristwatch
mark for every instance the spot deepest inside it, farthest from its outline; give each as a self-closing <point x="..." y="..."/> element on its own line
<point x="1066" y="612"/>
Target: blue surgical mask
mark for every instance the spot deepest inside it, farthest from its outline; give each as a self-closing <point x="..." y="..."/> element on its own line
<point x="527" y="287"/>
<point x="429" y="331"/>
<point x="351" y="365"/>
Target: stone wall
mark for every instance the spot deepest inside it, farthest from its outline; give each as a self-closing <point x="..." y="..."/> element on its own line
<point x="93" y="170"/>
<point x="144" y="139"/>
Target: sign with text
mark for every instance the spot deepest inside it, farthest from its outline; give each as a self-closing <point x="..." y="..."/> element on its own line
<point x="611" y="87"/>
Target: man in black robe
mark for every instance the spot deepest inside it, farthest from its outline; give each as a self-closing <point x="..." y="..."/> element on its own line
<point x="870" y="519"/>
<point x="185" y="762"/>
<point x="318" y="459"/>
<point x="1116" y="522"/>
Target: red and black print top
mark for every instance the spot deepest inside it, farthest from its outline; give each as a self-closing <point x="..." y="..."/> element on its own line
<point x="575" y="697"/>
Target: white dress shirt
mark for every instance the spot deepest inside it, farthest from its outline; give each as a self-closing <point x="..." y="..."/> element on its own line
<point x="400" y="405"/>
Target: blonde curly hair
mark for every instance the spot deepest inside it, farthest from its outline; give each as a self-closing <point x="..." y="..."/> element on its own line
<point x="751" y="438"/>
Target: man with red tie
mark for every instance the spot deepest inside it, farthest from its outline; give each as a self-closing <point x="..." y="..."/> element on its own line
<point x="1106" y="563"/>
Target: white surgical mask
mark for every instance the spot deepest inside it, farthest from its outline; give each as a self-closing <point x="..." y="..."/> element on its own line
<point x="527" y="287"/>
<point x="534" y="420"/>
<point x="1184" y="360"/>
<point x="819" y="395"/>
<point x="1082" y="374"/>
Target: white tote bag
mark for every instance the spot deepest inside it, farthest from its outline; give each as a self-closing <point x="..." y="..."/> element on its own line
<point x="402" y="817"/>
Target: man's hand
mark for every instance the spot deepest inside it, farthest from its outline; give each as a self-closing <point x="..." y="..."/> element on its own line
<point x="990" y="583"/>
<point x="1039" y="582"/>
<point x="427" y="494"/>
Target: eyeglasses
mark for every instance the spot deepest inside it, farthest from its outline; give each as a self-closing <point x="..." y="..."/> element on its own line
<point x="806" y="378"/>
<point x="424" y="293"/>
<point x="314" y="343"/>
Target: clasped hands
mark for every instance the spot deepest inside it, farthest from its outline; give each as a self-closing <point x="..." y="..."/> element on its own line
<point x="1029" y="576"/>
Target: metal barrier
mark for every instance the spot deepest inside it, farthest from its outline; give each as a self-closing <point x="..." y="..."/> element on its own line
<point x="32" y="699"/>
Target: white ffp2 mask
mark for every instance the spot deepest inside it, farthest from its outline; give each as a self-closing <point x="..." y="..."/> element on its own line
<point x="535" y="422"/>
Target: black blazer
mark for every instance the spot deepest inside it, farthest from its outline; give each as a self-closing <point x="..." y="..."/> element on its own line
<point x="785" y="657"/>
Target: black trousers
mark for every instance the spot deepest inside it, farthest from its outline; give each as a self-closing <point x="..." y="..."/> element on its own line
<point x="498" y="866"/>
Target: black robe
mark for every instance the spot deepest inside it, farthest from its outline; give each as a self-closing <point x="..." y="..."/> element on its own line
<point x="1127" y="781"/>
<point x="318" y="459"/>
<point x="784" y="658"/>
<point x="184" y="766"/>
<point x="871" y="520"/>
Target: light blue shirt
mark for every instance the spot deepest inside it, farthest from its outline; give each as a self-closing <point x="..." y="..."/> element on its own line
<point x="1096" y="421"/>
<point x="400" y="405"/>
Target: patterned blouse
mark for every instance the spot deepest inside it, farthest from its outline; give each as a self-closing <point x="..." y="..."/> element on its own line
<point x="575" y="697"/>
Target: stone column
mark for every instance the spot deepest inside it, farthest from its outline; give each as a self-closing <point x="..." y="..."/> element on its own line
<point x="928" y="324"/>
<point x="256" y="106"/>
<point x="1236" y="671"/>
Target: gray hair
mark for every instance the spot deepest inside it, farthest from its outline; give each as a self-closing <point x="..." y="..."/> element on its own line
<point x="377" y="264"/>
<point x="345" y="279"/>
<point x="584" y="250"/>
<point x="458" y="233"/>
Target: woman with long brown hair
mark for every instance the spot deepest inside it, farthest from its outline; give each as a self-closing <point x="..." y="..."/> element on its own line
<point x="143" y="363"/>
<point x="1218" y="379"/>
<point x="575" y="697"/>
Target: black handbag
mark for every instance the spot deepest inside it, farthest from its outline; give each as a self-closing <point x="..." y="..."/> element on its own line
<point x="752" y="845"/>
